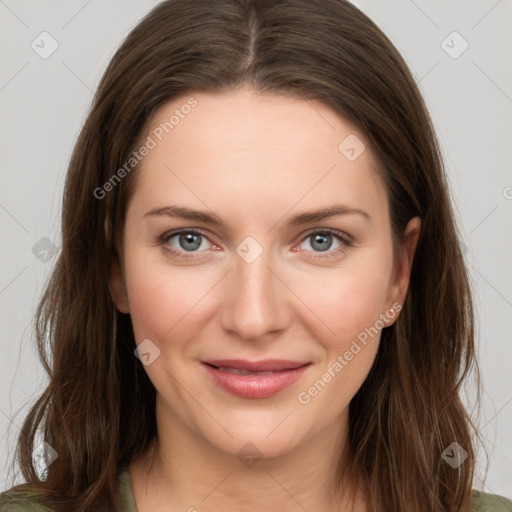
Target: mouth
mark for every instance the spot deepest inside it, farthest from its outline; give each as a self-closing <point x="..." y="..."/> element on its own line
<point x="258" y="379"/>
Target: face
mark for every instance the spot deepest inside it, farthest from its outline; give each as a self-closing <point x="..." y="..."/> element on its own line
<point x="252" y="279"/>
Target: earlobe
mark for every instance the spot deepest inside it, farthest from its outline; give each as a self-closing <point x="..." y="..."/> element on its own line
<point x="118" y="288"/>
<point x="403" y="266"/>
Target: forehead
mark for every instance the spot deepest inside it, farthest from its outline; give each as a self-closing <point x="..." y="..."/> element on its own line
<point x="256" y="150"/>
<point x="245" y="117"/>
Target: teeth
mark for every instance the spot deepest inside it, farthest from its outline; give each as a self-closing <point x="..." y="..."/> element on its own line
<point x="242" y="372"/>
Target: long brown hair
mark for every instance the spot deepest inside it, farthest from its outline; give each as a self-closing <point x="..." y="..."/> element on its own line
<point x="98" y="410"/>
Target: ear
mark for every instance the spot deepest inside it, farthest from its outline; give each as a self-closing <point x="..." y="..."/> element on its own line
<point x="118" y="288"/>
<point x="402" y="268"/>
<point x="116" y="282"/>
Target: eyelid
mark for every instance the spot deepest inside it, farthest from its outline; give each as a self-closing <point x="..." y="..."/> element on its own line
<point x="341" y="235"/>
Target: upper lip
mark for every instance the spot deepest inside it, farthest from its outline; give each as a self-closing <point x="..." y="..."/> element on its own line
<point x="267" y="365"/>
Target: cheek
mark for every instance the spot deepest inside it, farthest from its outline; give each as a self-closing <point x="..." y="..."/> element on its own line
<point x="351" y="308"/>
<point x="348" y="302"/>
<point x="164" y="301"/>
<point x="345" y="301"/>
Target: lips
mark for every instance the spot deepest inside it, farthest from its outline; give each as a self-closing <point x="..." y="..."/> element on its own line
<point x="265" y="366"/>
<point x="254" y="379"/>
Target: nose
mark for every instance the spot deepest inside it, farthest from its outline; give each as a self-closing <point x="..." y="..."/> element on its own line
<point x="255" y="301"/>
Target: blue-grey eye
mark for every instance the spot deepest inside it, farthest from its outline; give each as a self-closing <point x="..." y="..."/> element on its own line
<point x="321" y="241"/>
<point x="189" y="241"/>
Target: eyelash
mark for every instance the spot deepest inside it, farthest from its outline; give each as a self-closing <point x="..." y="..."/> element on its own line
<point x="345" y="240"/>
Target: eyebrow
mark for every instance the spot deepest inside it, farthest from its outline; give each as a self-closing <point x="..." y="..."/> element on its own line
<point x="182" y="212"/>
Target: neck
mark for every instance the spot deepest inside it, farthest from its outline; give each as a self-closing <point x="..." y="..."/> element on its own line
<point x="185" y="472"/>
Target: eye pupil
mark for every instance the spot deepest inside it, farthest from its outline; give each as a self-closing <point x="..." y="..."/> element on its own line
<point x="324" y="242"/>
<point x="190" y="238"/>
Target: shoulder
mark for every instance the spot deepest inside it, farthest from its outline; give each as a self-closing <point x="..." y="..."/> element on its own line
<point x="484" y="502"/>
<point x="21" y="500"/>
<point x="126" y="492"/>
<point x="24" y="499"/>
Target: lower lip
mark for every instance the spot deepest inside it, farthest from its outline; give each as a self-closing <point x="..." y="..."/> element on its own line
<point x="255" y="386"/>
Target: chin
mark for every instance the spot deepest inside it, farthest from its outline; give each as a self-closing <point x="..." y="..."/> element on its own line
<point x="254" y="435"/>
<point x="250" y="448"/>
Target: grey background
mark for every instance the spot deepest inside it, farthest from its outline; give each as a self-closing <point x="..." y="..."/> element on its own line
<point x="43" y="103"/>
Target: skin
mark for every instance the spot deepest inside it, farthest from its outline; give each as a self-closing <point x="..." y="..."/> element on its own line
<point x="255" y="161"/>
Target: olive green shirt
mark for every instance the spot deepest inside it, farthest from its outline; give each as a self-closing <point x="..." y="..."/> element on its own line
<point x="15" y="501"/>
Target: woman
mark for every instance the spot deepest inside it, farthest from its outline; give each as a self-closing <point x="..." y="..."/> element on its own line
<point x="260" y="302"/>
